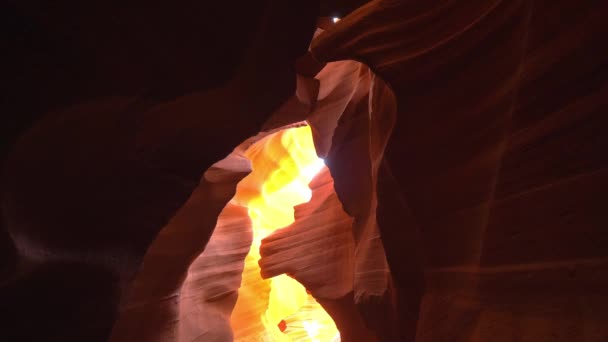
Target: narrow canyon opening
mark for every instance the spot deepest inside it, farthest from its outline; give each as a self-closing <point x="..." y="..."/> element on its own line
<point x="278" y="308"/>
<point x="284" y="230"/>
<point x="287" y="231"/>
<point x="159" y="181"/>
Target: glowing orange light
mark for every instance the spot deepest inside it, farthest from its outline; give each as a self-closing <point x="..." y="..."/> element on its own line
<point x="278" y="309"/>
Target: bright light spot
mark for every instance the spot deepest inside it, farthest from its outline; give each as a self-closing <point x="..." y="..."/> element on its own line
<point x="283" y="165"/>
<point x="311" y="170"/>
<point x="335" y="19"/>
<point x="312" y="328"/>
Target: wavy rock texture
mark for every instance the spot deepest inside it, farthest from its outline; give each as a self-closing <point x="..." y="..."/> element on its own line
<point x="494" y="154"/>
<point x="362" y="109"/>
<point x="209" y="291"/>
<point x="156" y="298"/>
<point x="121" y="122"/>
<point x="490" y="199"/>
<point x="318" y="246"/>
<point x="352" y="114"/>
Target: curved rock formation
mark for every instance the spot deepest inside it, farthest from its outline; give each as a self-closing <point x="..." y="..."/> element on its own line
<point x="495" y="153"/>
<point x="488" y="198"/>
<point x="351" y="113"/>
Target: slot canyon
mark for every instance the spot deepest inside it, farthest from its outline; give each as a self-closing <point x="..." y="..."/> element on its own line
<point x="304" y="171"/>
